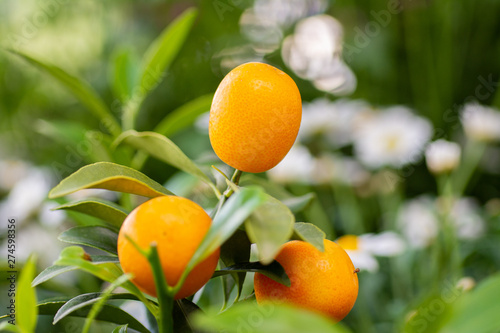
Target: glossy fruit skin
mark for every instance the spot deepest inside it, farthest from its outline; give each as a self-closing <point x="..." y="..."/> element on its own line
<point x="255" y="117"/>
<point x="177" y="225"/>
<point x="324" y="282"/>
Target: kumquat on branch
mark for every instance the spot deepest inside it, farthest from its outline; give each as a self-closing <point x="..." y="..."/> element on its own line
<point x="258" y="166"/>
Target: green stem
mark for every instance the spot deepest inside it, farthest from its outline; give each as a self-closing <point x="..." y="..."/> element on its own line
<point x="164" y="293"/>
<point x="473" y="153"/>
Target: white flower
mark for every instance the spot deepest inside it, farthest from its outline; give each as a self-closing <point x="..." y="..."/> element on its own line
<point x="294" y="168"/>
<point x="12" y="171"/>
<point x="363" y="249"/>
<point x="334" y="120"/>
<point x="466" y="218"/>
<point x="313" y="52"/>
<point x="442" y="156"/>
<point x="481" y="123"/>
<point x="417" y="221"/>
<point x="342" y="170"/>
<point x="394" y="137"/>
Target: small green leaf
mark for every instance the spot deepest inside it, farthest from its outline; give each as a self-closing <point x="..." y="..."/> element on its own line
<point x="121" y="329"/>
<point x="297" y="204"/>
<point x="51" y="272"/>
<point x="183" y="309"/>
<point x="271" y="318"/>
<point x="184" y="116"/>
<point x="26" y="311"/>
<point x="108" y="313"/>
<point x="55" y="270"/>
<point x="270" y="226"/>
<point x="123" y="76"/>
<point x="234" y="212"/>
<point x="235" y="250"/>
<point x="157" y="59"/>
<point x="105" y="210"/>
<point x="81" y="90"/>
<point x="274" y="271"/>
<point x="109" y="176"/>
<point x="97" y="307"/>
<point x="84" y="300"/>
<point x="309" y="233"/>
<point x="163" y="149"/>
<point x="95" y="236"/>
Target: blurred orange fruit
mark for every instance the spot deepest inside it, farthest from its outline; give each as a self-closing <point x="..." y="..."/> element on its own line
<point x="324" y="282"/>
<point x="255" y="117"/>
<point x="177" y="225"/>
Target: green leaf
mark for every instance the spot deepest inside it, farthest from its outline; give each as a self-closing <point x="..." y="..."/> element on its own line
<point x="121" y="329"/>
<point x="157" y="59"/>
<point x="6" y="327"/>
<point x="84" y="300"/>
<point x="81" y="90"/>
<point x="274" y="271"/>
<point x="184" y="116"/>
<point x="26" y="311"/>
<point x="108" y="313"/>
<point x="55" y="270"/>
<point x="51" y="272"/>
<point x="477" y="311"/>
<point x="94" y="236"/>
<point x="163" y="149"/>
<point x="236" y="250"/>
<point x="297" y="204"/>
<point x="109" y="176"/>
<point x="96" y="308"/>
<point x="250" y="317"/>
<point x="309" y="233"/>
<point x="270" y="226"/>
<point x="182" y="311"/>
<point x="105" y="210"/>
<point x="234" y="212"/>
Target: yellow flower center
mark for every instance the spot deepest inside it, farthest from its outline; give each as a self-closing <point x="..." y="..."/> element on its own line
<point x="348" y="242"/>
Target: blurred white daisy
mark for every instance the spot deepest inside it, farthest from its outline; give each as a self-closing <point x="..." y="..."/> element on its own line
<point x="296" y="167"/>
<point x="335" y="121"/>
<point x="313" y="52"/>
<point x="417" y="221"/>
<point x="339" y="169"/>
<point x="394" y="137"/>
<point x="465" y="214"/>
<point x="442" y="156"/>
<point x="363" y="249"/>
<point x="481" y="123"/>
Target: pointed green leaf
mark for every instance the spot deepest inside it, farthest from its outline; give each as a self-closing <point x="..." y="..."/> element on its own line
<point x="109" y="176"/>
<point x="235" y="250"/>
<point x="297" y="204"/>
<point x="121" y="329"/>
<point x="183" y="309"/>
<point x="95" y="236"/>
<point x="81" y="90"/>
<point x="270" y="226"/>
<point x="184" y="116"/>
<point x="26" y="310"/>
<point x="274" y="271"/>
<point x="105" y="210"/>
<point x="157" y="59"/>
<point x="55" y="270"/>
<point x="272" y="318"/>
<point x="108" y="313"/>
<point x="163" y="149"/>
<point x="84" y="300"/>
<point x="234" y="212"/>
<point x="309" y="233"/>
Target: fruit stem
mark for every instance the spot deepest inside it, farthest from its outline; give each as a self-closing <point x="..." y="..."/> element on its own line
<point x="236" y="176"/>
